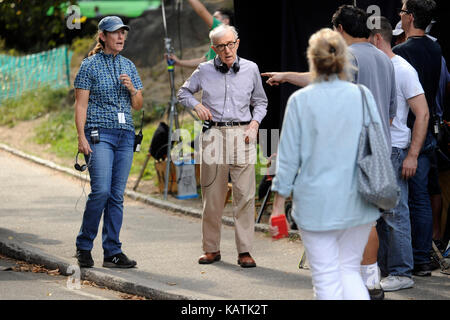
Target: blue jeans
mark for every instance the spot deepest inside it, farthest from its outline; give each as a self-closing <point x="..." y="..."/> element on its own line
<point x="395" y="254"/>
<point x="420" y="204"/>
<point x="109" y="169"/>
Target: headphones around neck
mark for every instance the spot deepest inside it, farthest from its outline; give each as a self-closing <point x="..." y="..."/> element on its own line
<point x="82" y="167"/>
<point x="223" y="68"/>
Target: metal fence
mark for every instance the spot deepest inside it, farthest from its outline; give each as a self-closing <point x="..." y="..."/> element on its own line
<point x="20" y="74"/>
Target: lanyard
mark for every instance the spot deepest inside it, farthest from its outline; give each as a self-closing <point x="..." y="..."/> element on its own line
<point x="113" y="77"/>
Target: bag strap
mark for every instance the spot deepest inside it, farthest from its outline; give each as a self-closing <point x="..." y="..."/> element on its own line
<point x="364" y="104"/>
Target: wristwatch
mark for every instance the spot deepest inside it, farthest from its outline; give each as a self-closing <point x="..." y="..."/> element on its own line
<point x="135" y="92"/>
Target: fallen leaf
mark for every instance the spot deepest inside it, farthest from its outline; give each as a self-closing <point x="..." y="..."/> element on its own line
<point x="131" y="297"/>
<point x="6" y="269"/>
<point x="53" y="272"/>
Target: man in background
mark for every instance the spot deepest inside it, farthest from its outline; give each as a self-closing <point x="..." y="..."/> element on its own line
<point x="212" y="21"/>
<point x="395" y="256"/>
<point x="425" y="56"/>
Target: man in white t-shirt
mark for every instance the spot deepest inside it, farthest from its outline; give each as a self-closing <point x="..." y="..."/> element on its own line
<point x="395" y="254"/>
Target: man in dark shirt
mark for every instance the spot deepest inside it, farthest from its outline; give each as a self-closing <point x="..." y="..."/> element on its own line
<point x="425" y="56"/>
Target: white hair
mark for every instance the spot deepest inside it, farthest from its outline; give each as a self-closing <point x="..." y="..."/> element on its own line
<point x="220" y="31"/>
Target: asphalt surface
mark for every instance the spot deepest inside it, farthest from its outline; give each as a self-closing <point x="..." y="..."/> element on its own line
<point x="21" y="282"/>
<point x="40" y="215"/>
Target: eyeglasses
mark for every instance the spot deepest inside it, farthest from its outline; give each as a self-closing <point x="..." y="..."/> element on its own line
<point x="229" y="45"/>
<point x="400" y="11"/>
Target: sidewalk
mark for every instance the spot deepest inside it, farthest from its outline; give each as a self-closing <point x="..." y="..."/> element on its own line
<point x="40" y="215"/>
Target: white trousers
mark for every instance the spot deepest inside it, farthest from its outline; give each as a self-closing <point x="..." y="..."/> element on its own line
<point x="335" y="258"/>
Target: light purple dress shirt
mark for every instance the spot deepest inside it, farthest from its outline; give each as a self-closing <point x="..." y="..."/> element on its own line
<point x="229" y="95"/>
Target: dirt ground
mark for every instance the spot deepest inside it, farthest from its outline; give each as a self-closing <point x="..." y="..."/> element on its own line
<point x="21" y="136"/>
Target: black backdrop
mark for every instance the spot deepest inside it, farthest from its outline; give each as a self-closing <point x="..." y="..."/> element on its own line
<point x="274" y="34"/>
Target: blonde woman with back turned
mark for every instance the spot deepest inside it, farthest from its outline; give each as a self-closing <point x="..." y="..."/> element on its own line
<point x="316" y="162"/>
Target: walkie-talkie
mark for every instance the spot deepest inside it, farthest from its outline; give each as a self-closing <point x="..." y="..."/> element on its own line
<point x="137" y="141"/>
<point x="138" y="137"/>
<point x="95" y="137"/>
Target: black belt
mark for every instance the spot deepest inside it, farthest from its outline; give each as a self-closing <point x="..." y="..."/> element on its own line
<point x="230" y="123"/>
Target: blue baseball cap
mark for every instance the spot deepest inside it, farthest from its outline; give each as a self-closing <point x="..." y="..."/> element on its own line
<point x="111" y="24"/>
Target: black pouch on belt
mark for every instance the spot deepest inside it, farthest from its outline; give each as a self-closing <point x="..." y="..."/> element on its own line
<point x="95" y="136"/>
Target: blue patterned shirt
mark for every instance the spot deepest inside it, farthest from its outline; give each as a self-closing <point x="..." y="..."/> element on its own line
<point x="108" y="97"/>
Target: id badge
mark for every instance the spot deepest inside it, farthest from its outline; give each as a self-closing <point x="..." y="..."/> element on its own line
<point x="121" y="116"/>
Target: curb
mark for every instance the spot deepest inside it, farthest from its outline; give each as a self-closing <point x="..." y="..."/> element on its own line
<point x="154" y="292"/>
<point x="152" y="289"/>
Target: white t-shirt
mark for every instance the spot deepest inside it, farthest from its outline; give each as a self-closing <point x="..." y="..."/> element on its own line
<point x="408" y="86"/>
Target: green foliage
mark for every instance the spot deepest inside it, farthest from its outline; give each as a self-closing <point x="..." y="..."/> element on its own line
<point x="27" y="27"/>
<point x="32" y="105"/>
<point x="140" y="157"/>
<point x="5" y="50"/>
<point x="81" y="46"/>
<point x="60" y="132"/>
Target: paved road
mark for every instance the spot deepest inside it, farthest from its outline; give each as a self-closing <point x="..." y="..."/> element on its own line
<point x="40" y="217"/>
<point x="27" y="285"/>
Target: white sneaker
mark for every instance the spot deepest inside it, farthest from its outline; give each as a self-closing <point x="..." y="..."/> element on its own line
<point x="394" y="283"/>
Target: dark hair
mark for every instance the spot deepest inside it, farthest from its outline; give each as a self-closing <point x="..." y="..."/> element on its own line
<point x="422" y="11"/>
<point x="227" y="14"/>
<point x="353" y="21"/>
<point x="385" y="29"/>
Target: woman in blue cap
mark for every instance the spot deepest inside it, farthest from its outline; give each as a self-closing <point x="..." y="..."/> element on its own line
<point x="107" y="86"/>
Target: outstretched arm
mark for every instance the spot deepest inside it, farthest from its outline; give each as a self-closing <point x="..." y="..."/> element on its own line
<point x="300" y="79"/>
<point x="191" y="63"/>
<point x="200" y="9"/>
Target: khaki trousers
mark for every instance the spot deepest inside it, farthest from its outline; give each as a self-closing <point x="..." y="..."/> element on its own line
<point x="225" y="153"/>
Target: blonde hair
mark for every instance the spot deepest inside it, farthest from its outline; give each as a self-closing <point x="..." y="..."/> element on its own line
<point x="327" y="55"/>
<point x="99" y="46"/>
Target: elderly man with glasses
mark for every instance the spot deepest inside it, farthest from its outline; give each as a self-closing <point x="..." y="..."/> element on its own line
<point x="230" y="85"/>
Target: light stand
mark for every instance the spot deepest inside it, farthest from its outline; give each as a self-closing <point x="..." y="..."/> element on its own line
<point x="171" y="110"/>
<point x="173" y="113"/>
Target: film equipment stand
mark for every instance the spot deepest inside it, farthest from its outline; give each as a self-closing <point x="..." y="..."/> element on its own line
<point x="171" y="109"/>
